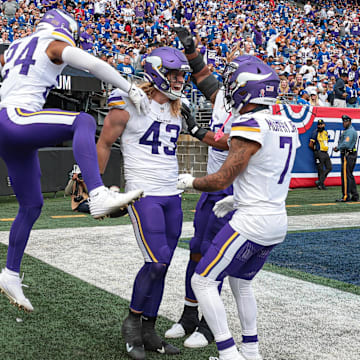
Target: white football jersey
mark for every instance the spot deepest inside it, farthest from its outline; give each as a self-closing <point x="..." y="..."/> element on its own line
<point x="261" y="189"/>
<point x="28" y="73"/>
<point x="148" y="145"/>
<point x="217" y="157"/>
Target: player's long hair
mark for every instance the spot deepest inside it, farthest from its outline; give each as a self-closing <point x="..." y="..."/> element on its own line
<point x="149" y="89"/>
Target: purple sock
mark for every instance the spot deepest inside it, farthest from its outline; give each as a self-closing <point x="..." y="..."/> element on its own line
<point x="84" y="149"/>
<point x="19" y="235"/>
<point x="148" y="288"/>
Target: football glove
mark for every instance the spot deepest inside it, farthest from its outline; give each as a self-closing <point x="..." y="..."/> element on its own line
<point x="185" y="38"/>
<point x="139" y="99"/>
<point x="222" y="207"/>
<point x="192" y="126"/>
<point x="185" y="181"/>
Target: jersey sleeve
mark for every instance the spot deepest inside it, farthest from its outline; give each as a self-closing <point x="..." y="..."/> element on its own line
<point x="117" y="100"/>
<point x="63" y="35"/>
<point x="248" y="128"/>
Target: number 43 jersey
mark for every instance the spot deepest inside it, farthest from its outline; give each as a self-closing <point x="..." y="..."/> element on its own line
<point x="262" y="188"/>
<point x="148" y="145"/>
<point x="28" y="73"/>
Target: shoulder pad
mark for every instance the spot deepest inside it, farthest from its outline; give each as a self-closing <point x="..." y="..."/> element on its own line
<point x="117" y="99"/>
<point x="62" y="35"/>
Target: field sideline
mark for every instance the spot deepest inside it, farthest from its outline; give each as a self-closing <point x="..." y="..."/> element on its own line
<point x="75" y="320"/>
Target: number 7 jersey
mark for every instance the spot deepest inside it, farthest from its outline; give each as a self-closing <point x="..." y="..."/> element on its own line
<point x="148" y="145"/>
<point x="262" y="188"/>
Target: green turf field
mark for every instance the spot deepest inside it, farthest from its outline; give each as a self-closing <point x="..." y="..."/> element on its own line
<point x="80" y="321"/>
<point x="57" y="212"/>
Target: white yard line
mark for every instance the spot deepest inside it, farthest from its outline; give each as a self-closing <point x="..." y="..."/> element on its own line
<point x="297" y="320"/>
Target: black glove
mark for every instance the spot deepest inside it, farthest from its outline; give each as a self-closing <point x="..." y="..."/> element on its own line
<point x="193" y="127"/>
<point x="185" y="38"/>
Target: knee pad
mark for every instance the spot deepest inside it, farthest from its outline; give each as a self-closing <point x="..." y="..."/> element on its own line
<point x="157" y="270"/>
<point x="201" y="282"/>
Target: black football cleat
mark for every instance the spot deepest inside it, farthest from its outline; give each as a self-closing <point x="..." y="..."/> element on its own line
<point x="187" y="324"/>
<point x="152" y="341"/>
<point x="131" y="333"/>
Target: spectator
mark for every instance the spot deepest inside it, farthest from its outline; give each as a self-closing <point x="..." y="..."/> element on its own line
<point x="126" y="69"/>
<point x="352" y="91"/>
<point x="340" y="91"/>
<point x="9" y="8"/>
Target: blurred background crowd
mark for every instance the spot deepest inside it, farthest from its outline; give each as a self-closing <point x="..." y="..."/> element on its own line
<point x="313" y="46"/>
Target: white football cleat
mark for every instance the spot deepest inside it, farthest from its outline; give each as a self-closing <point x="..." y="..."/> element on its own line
<point x="196" y="340"/>
<point x="251" y="357"/>
<point x="11" y="286"/>
<point x="106" y="202"/>
<point x="175" y="332"/>
<point x="239" y="357"/>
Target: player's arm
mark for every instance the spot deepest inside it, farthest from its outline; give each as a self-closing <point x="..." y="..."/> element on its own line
<point x="2" y="60"/>
<point x="201" y="75"/>
<point x="61" y="52"/>
<point x="114" y="125"/>
<point x="240" y="152"/>
<point x="204" y="135"/>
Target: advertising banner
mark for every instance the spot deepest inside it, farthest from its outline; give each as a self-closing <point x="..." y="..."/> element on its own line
<point x="305" y="118"/>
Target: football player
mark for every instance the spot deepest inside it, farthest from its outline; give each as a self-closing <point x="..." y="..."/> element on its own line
<point x="261" y="156"/>
<point x="206" y="224"/>
<point x="148" y="145"/>
<point x="30" y="69"/>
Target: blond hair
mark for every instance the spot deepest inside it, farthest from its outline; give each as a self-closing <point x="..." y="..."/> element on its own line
<point x="149" y="89"/>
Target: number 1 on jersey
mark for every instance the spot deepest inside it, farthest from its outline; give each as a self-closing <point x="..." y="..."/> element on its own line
<point x="283" y="141"/>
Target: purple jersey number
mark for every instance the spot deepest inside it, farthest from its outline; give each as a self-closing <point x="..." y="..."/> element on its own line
<point x="285" y="140"/>
<point x="154" y="132"/>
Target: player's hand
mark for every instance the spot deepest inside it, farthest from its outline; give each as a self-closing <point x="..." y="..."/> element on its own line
<point x="192" y="126"/>
<point x="185" y="181"/>
<point x="222" y="207"/>
<point x="185" y="38"/>
<point x="139" y="99"/>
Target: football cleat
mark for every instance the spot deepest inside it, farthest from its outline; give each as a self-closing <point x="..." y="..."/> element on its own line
<point x="251" y="357"/>
<point x="131" y="333"/>
<point x="175" y="332"/>
<point x="11" y="286"/>
<point x="105" y="202"/>
<point x="201" y="337"/>
<point x="196" y="340"/>
<point x="153" y="342"/>
<point x="233" y="357"/>
<point x="187" y="324"/>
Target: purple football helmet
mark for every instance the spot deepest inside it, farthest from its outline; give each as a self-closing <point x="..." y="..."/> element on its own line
<point x="159" y="63"/>
<point x="248" y="80"/>
<point x="59" y="19"/>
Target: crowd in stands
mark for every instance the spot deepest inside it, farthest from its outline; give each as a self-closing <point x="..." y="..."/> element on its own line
<point x="311" y="46"/>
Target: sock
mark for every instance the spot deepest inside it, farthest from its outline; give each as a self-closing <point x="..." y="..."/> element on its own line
<point x="84" y="149"/>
